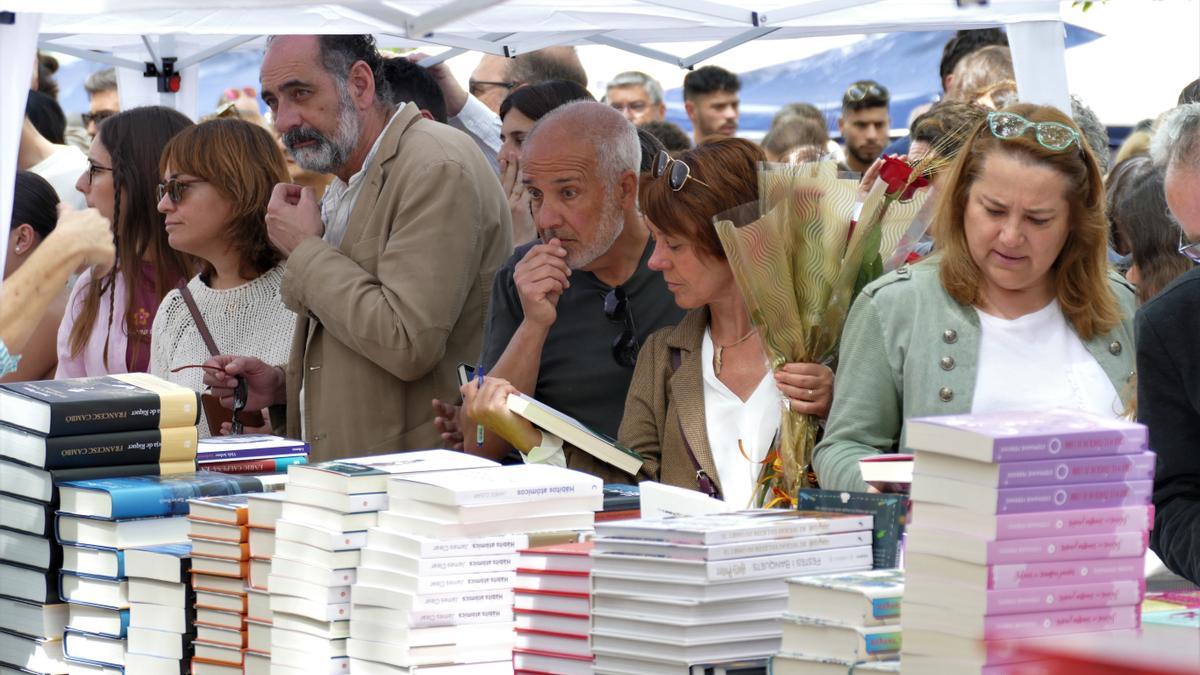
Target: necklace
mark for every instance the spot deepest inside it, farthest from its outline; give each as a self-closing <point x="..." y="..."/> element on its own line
<point x="718" y="349"/>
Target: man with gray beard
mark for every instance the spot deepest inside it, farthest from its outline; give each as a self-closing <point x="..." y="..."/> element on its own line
<point x="569" y="311"/>
<point x="388" y="274"/>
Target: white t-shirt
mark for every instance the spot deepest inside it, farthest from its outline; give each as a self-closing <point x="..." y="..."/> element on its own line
<point x="61" y="170"/>
<point x="728" y="418"/>
<point x="1037" y="362"/>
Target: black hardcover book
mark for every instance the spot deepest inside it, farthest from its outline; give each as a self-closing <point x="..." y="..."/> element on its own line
<point x="98" y="405"/>
<point x="42" y="485"/>
<point x="27" y="583"/>
<point x="144" y="446"/>
<point x="27" y="515"/>
<point x="890" y="512"/>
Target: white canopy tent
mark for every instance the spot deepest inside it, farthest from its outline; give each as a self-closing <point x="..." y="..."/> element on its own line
<point x="133" y="33"/>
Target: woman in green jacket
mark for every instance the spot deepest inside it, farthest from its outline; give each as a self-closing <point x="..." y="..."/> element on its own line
<point x="1017" y="310"/>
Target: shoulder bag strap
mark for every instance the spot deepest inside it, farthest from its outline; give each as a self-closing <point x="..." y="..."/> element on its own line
<point x="703" y="482"/>
<point x="191" y="305"/>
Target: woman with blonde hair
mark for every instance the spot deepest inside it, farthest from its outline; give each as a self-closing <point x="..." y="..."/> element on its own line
<point x="217" y="180"/>
<point x="1016" y="311"/>
<point x="106" y="327"/>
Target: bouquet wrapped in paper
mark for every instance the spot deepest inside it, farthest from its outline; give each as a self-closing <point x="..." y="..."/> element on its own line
<point x="799" y="259"/>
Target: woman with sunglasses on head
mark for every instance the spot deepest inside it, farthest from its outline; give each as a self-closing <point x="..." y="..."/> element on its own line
<point x="107" y="325"/>
<point x="703" y="406"/>
<point x="1017" y="309"/>
<point x="217" y="180"/>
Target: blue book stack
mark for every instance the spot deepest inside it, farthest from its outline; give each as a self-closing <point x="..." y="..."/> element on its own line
<point x="112" y="527"/>
<point x="57" y="431"/>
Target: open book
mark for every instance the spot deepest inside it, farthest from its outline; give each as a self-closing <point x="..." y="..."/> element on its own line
<point x="574" y="432"/>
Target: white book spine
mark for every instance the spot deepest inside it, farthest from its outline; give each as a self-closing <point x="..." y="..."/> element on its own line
<point x="809" y="562"/>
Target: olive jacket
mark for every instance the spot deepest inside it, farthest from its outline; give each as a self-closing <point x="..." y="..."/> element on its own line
<point x="910" y="350"/>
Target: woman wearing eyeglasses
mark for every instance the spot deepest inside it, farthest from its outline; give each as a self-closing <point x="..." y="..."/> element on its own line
<point x="107" y="325"/>
<point x="703" y="406"/>
<point x="217" y="180"/>
<point x="1015" y="311"/>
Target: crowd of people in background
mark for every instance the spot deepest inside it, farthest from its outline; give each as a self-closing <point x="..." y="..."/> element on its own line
<point x="383" y="224"/>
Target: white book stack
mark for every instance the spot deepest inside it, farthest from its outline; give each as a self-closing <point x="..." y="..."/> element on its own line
<point x="319" y="535"/>
<point x="673" y="593"/>
<point x="435" y="586"/>
<point x="840" y="623"/>
<point x="263" y="511"/>
<point x="161" y="609"/>
<point x="220" y="574"/>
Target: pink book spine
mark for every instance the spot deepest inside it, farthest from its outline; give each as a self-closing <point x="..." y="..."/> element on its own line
<point x="1078" y="470"/>
<point x="1061" y="623"/>
<point x="1068" y="547"/>
<point x="999" y="655"/>
<point x="1079" y="444"/>
<point x="1057" y="598"/>
<point x="1063" y="573"/>
<point x="1090" y="521"/>
<point x="1078" y="496"/>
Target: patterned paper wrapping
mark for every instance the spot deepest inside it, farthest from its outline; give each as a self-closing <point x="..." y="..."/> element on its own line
<point x="799" y="262"/>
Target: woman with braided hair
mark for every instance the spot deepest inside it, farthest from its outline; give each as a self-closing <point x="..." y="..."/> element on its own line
<point x="106" y="328"/>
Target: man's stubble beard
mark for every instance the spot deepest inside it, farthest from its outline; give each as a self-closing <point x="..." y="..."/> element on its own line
<point x="612" y="222"/>
<point x="329" y="154"/>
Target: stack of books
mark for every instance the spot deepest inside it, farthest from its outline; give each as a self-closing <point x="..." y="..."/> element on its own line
<point x="672" y="593"/>
<point x="254" y="454"/>
<point x="161" y="609"/>
<point x="840" y="623"/>
<point x="435" y="586"/>
<point x="220" y="572"/>
<point x="98" y="521"/>
<point x="263" y="511"/>
<point x="322" y="528"/>
<point x="55" y="431"/>
<point x="1025" y="526"/>
<point x="553" y="640"/>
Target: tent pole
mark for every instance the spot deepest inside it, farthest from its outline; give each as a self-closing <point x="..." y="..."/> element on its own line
<point x="431" y="61"/>
<point x="634" y="48"/>
<point x="206" y="54"/>
<point x="537" y="42"/>
<point x="813" y="8"/>
<point x="1040" y="63"/>
<point x="726" y="45"/>
<point x="89" y="55"/>
<point x="153" y="53"/>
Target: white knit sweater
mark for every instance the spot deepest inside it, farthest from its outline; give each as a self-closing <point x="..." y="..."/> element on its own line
<point x="249" y="320"/>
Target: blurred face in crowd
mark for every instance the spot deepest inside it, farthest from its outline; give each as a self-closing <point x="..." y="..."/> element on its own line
<point x="96" y="182"/>
<point x="513" y="130"/>
<point x="1182" y="190"/>
<point x="693" y="276"/>
<point x="715" y="113"/>
<point x="865" y="135"/>
<point x="1016" y="223"/>
<point x="489" y="81"/>
<point x="101" y="105"/>
<point x="314" y="113"/>
<point x="635" y="104"/>
<point x="198" y="222"/>
<point x="570" y="201"/>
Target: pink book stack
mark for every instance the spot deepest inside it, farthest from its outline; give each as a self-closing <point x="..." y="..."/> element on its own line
<point x="1025" y="527"/>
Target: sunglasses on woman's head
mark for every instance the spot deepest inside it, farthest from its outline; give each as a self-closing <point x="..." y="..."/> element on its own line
<point x="1050" y="135"/>
<point x="678" y="173"/>
<point x="1189" y="250"/>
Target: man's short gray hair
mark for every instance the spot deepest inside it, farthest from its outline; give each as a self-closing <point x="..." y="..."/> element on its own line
<point x="613" y="138"/>
<point x="1093" y="131"/>
<point x="1177" y="141"/>
<point x="101" y="80"/>
<point x="636" y="78"/>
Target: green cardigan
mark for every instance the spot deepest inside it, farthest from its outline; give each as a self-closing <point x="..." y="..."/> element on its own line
<point x="910" y="350"/>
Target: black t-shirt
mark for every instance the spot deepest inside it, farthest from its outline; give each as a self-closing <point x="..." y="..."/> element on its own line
<point x="578" y="374"/>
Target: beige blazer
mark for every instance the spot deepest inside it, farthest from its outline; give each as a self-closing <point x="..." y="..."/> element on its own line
<point x="384" y="318"/>
<point x="664" y="406"/>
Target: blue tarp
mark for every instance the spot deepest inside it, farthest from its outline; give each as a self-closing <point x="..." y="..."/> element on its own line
<point x="905" y="63"/>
